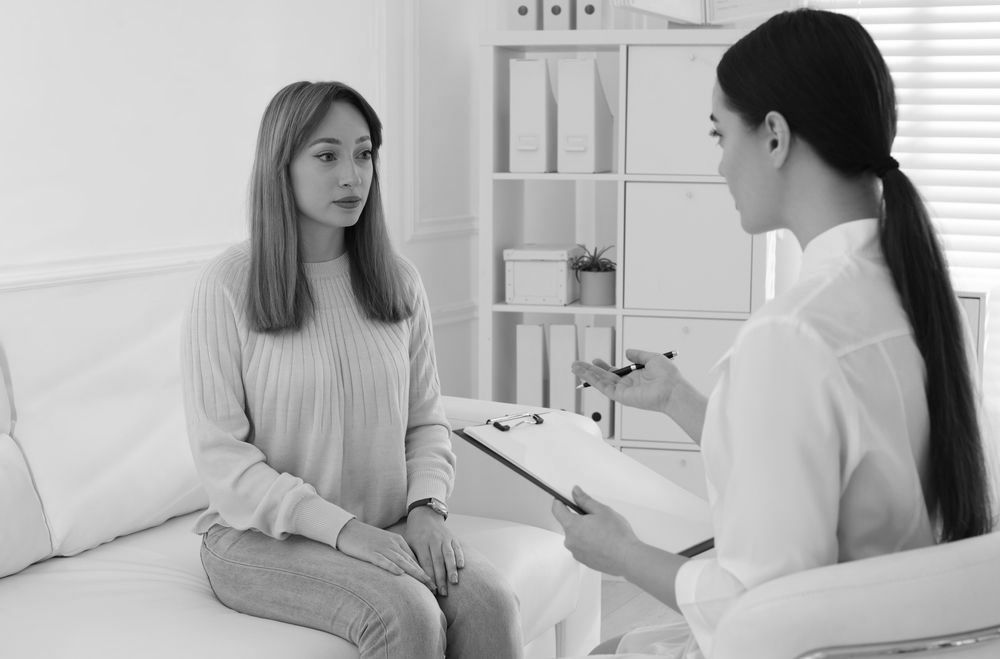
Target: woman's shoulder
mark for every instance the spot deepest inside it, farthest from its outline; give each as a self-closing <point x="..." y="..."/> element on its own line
<point x="229" y="268"/>
<point x="409" y="274"/>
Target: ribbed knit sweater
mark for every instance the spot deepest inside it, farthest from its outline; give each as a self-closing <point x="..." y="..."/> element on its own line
<point x="299" y="432"/>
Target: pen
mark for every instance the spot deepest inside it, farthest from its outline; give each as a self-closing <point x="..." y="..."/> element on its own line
<point x="625" y="370"/>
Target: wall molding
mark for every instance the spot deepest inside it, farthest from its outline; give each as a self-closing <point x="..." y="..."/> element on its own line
<point x="455" y="313"/>
<point x="105" y="266"/>
<point x="415" y="227"/>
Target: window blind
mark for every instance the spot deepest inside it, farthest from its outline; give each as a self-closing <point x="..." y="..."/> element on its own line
<point x="945" y="61"/>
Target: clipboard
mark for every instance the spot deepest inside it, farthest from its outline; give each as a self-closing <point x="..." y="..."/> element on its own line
<point x="555" y="450"/>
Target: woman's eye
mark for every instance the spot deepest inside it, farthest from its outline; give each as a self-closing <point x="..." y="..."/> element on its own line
<point x="326" y="156"/>
<point x="365" y="155"/>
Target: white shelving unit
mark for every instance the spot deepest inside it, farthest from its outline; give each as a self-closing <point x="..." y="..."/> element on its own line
<point x="688" y="276"/>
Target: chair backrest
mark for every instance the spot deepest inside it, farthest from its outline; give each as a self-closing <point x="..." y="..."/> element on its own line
<point x="927" y="596"/>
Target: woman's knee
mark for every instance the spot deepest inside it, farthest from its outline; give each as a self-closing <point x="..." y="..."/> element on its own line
<point x="484" y="591"/>
<point x="412" y="610"/>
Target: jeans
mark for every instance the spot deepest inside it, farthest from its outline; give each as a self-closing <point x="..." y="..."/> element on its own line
<point x="308" y="583"/>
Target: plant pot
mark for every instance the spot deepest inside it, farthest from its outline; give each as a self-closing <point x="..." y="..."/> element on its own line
<point x="597" y="289"/>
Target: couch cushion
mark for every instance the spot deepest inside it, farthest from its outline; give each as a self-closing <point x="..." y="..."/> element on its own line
<point x="146" y="595"/>
<point x="24" y="536"/>
<point x="95" y="374"/>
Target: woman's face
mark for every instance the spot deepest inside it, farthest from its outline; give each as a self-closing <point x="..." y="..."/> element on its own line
<point x="744" y="165"/>
<point x="332" y="175"/>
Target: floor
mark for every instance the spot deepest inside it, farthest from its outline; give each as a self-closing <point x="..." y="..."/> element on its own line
<point x="625" y="607"/>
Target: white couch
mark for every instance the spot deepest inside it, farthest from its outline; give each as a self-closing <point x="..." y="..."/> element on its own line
<point x="98" y="493"/>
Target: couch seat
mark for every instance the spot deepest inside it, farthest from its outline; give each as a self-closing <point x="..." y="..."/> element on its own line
<point x="145" y="595"/>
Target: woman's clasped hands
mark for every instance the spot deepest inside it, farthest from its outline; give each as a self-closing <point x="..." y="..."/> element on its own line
<point x="437" y="550"/>
<point x="426" y="550"/>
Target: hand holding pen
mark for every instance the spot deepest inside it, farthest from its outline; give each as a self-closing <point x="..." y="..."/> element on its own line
<point x="625" y="370"/>
<point x="653" y="379"/>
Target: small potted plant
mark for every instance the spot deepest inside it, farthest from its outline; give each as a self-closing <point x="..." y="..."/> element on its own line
<point x="596" y="274"/>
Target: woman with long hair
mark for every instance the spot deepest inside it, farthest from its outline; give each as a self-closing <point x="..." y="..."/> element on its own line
<point x="843" y="424"/>
<point x="314" y="410"/>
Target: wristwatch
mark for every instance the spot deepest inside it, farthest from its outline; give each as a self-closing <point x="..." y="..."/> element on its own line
<point x="432" y="503"/>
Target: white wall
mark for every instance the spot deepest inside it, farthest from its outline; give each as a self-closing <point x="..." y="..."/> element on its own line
<point x="129" y="125"/>
<point x="127" y="130"/>
<point x="432" y="50"/>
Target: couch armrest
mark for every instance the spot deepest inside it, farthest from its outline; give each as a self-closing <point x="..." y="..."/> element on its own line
<point x="483" y="486"/>
<point x="936" y="591"/>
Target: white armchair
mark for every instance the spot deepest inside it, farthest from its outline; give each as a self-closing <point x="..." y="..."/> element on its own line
<point x="921" y="603"/>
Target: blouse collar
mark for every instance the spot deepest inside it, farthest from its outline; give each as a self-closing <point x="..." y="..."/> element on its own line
<point x="830" y="247"/>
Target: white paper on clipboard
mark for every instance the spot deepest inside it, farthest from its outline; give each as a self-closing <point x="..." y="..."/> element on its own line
<point x="563" y="451"/>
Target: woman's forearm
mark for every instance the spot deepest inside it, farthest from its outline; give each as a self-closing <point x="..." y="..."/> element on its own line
<point x="686" y="407"/>
<point x="655" y="571"/>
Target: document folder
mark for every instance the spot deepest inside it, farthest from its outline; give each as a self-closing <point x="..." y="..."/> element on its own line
<point x="556" y="450"/>
<point x="532" y="117"/>
<point x="562" y="354"/>
<point x="598" y="343"/>
<point x="584" y="123"/>
<point x="530" y="364"/>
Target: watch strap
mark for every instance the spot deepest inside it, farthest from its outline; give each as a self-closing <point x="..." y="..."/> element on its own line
<point x="435" y="505"/>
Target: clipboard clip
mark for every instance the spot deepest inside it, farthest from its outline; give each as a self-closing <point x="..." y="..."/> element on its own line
<point x="504" y="424"/>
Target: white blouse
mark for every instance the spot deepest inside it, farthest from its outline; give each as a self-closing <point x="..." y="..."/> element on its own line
<point x="816" y="435"/>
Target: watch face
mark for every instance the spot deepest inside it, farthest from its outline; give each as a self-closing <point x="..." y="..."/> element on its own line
<point x="438" y="507"/>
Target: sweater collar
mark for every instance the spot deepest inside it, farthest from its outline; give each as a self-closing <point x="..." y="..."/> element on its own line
<point x="830" y="247"/>
<point x="327" y="269"/>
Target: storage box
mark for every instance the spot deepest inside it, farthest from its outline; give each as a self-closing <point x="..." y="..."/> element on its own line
<point x="540" y="274"/>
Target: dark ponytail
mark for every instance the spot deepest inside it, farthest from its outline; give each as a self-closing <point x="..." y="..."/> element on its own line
<point x="825" y="75"/>
<point x="958" y="484"/>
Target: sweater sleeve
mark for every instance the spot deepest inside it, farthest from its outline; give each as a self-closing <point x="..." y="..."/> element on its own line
<point x="242" y="487"/>
<point x="430" y="462"/>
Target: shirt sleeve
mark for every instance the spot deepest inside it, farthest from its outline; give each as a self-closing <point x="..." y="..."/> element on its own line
<point x="773" y="453"/>
<point x="430" y="462"/>
<point x="242" y="487"/>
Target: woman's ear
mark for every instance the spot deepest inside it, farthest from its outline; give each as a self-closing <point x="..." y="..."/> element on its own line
<point x="778" y="137"/>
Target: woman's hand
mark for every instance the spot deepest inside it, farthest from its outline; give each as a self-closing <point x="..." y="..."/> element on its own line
<point x="383" y="549"/>
<point x="602" y="539"/>
<point x="437" y="550"/>
<point x="648" y="388"/>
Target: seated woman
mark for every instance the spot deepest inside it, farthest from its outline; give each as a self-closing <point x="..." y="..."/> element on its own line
<point x="843" y="424"/>
<point x="314" y="412"/>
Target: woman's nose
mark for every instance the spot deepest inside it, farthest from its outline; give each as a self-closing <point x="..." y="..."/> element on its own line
<point x="349" y="175"/>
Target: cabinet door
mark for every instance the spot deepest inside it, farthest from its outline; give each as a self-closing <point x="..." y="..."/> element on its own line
<point x="700" y="343"/>
<point x="667" y="112"/>
<point x="685" y="249"/>
<point x="682" y="467"/>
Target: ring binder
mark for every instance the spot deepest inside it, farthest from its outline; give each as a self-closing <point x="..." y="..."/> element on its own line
<point x="526" y="417"/>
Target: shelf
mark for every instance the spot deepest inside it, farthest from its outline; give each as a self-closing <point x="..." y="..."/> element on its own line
<point x="570" y="309"/>
<point x="607" y="176"/>
<point x="694" y="35"/>
<point x="682" y="313"/>
<point x="552" y="176"/>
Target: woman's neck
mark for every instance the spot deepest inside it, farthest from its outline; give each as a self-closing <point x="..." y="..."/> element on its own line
<point x="827" y="200"/>
<point x="318" y="242"/>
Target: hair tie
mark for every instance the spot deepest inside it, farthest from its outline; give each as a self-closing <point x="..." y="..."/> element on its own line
<point x="886" y="165"/>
